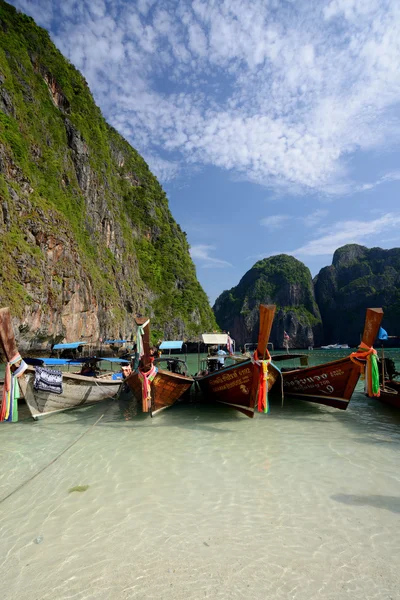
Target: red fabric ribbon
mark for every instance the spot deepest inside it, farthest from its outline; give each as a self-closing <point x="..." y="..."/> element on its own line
<point x="146" y="379"/>
<point x="262" y="398"/>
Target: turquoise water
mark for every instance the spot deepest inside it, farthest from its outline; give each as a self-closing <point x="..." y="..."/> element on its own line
<point x="201" y="502"/>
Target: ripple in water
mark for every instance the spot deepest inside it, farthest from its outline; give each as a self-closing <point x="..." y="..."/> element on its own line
<point x="201" y="502"/>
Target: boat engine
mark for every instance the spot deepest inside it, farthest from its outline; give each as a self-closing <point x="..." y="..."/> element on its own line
<point x="212" y="364"/>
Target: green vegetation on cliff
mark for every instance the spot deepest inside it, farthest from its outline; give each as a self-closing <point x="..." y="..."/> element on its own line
<point x="359" y="278"/>
<point x="281" y="280"/>
<point x="80" y="202"/>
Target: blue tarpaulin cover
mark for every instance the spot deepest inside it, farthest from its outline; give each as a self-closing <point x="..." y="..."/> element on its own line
<point x="382" y="335"/>
<point x="54" y="361"/>
<point x="121" y="361"/>
<point x="71" y="346"/>
<point x="173" y="345"/>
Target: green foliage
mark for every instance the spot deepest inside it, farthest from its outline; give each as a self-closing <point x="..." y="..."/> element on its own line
<point x="359" y="278"/>
<point x="148" y="267"/>
<point x="281" y="280"/>
<point x="11" y="136"/>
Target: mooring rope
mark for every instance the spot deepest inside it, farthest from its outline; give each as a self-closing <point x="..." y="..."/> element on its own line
<point x="51" y="462"/>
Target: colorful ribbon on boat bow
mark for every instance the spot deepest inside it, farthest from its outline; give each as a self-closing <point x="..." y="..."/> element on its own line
<point x="262" y="400"/>
<point x="9" y="404"/>
<point x="369" y="355"/>
<point x="146" y="379"/>
<point x="139" y="338"/>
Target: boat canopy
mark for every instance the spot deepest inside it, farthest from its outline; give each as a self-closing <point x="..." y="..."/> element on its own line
<point x="121" y="361"/>
<point x="172" y="345"/>
<point x="115" y="341"/>
<point x="71" y="346"/>
<point x="51" y="362"/>
<point x="215" y="339"/>
<point x="88" y="359"/>
<point x="59" y="362"/>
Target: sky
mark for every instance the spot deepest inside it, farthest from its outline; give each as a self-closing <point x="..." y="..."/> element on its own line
<point x="273" y="125"/>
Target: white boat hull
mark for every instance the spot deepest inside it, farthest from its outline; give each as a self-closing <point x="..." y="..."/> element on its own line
<point x="78" y="391"/>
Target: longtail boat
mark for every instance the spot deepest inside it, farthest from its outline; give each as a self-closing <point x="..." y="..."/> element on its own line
<point x="333" y="383"/>
<point x="77" y="390"/>
<point x="390" y="393"/>
<point x="389" y="388"/>
<point x="245" y="383"/>
<point x="154" y="387"/>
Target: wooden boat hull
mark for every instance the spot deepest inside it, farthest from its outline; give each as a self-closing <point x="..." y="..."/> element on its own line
<point x="331" y="384"/>
<point x="390" y="395"/>
<point x="78" y="391"/>
<point x="236" y="386"/>
<point x="166" y="388"/>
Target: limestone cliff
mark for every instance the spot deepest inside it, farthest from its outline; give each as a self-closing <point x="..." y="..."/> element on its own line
<point x="358" y="278"/>
<point x="86" y="233"/>
<point x="280" y="280"/>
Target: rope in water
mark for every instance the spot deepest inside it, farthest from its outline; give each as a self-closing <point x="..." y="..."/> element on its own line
<point x="51" y="462"/>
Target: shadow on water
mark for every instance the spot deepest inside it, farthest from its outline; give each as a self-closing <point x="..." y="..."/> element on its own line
<point x="295" y="408"/>
<point x="123" y="413"/>
<point x="364" y="416"/>
<point x="391" y="503"/>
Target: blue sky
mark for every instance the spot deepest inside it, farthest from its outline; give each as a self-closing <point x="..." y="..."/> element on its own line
<point x="273" y="125"/>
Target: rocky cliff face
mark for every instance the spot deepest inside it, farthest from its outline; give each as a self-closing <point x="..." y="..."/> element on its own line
<point x="280" y="280"/>
<point x="358" y="278"/>
<point x="87" y="236"/>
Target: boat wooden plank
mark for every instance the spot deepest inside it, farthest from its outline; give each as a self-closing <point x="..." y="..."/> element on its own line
<point x="332" y="383"/>
<point x="237" y="385"/>
<point x="390" y="393"/>
<point x="7" y="338"/>
<point x="78" y="390"/>
<point x="167" y="388"/>
<point x="267" y="314"/>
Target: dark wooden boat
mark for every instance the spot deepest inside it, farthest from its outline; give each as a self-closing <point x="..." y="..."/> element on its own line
<point x="389" y="388"/>
<point x="237" y="385"/>
<point x="78" y="390"/>
<point x="168" y="385"/>
<point x="390" y="393"/>
<point x="332" y="383"/>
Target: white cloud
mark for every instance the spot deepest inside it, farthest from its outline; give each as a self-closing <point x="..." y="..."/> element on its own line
<point x="274" y="222"/>
<point x="331" y="237"/>
<point x="165" y="170"/>
<point x="201" y="254"/>
<point x="315" y="217"/>
<point x="387" y="178"/>
<point x="280" y="94"/>
<point x="347" y="232"/>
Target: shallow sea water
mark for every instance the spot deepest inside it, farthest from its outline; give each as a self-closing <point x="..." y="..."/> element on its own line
<point x="201" y="502"/>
